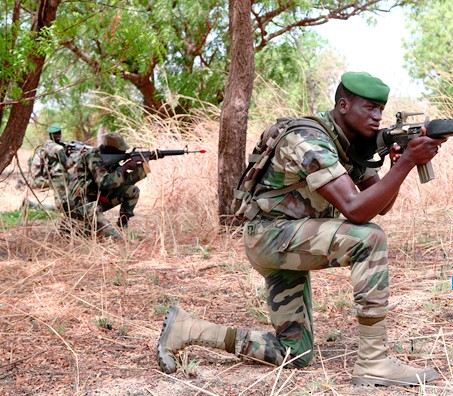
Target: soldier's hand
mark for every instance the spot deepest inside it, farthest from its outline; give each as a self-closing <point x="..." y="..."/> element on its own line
<point x="395" y="153"/>
<point x="132" y="164"/>
<point x="423" y="149"/>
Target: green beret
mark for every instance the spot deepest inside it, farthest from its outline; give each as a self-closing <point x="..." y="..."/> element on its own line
<point x="54" y="129"/>
<point x="366" y="86"/>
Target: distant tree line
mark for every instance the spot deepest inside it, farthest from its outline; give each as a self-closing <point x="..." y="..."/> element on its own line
<point x="169" y="57"/>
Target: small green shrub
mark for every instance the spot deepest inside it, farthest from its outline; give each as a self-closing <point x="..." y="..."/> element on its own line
<point x="104" y="323"/>
<point x="15" y="217"/>
<point x="188" y="366"/>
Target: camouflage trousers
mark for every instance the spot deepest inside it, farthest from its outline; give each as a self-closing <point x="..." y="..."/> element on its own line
<point x="284" y="251"/>
<point x="92" y="212"/>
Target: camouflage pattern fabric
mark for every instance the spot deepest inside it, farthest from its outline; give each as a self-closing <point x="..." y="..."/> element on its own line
<point x="299" y="232"/>
<point x="36" y="166"/>
<point x="246" y="194"/>
<point x="49" y="167"/>
<point x="309" y="157"/>
<point x="95" y="188"/>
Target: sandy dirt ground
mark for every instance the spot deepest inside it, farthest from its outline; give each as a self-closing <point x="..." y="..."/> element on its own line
<point x="82" y="317"/>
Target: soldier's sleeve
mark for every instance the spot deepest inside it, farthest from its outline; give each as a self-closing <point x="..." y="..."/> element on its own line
<point x="136" y="175"/>
<point x="314" y="157"/>
<point x="64" y="160"/>
<point x="105" y="178"/>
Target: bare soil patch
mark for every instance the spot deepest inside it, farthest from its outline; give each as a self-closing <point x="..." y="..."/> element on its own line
<point x="82" y="317"/>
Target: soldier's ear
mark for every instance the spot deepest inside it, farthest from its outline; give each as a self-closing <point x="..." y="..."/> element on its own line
<point x="343" y="105"/>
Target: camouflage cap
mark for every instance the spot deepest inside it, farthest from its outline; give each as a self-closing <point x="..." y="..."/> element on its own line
<point x="54" y="129"/>
<point x="365" y="85"/>
<point x="115" y="140"/>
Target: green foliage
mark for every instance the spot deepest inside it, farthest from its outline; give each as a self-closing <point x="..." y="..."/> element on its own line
<point x="123" y="330"/>
<point x="298" y="71"/>
<point x="104" y="323"/>
<point x="188" y="366"/>
<point x="18" y="44"/>
<point x="428" y="50"/>
<point x="259" y="315"/>
<point x="58" y="327"/>
<point x="15" y="217"/>
<point x="171" y="46"/>
<point x="160" y="309"/>
<point x="333" y="335"/>
<point x="160" y="54"/>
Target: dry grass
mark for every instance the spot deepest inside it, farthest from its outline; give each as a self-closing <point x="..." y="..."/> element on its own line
<point x="81" y="317"/>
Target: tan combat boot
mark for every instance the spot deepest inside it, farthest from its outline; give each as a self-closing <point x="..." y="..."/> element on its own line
<point x="181" y="329"/>
<point x="375" y="366"/>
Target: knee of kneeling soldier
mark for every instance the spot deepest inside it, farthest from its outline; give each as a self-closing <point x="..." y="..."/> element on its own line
<point x="376" y="236"/>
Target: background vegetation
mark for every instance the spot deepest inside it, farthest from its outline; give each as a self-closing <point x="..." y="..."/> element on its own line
<point x="171" y="58"/>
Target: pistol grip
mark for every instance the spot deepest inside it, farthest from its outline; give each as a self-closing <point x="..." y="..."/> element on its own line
<point x="425" y="172"/>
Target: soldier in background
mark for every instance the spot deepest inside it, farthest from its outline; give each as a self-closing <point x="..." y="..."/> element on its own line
<point x="50" y="165"/>
<point x="298" y="231"/>
<point x="50" y="161"/>
<point x="95" y="188"/>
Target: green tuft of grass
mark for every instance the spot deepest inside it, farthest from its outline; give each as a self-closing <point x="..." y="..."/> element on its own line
<point x="154" y="279"/>
<point x="15" y="217"/>
<point x="59" y="328"/>
<point x="188" y="366"/>
<point x="104" y="323"/>
<point x="333" y="335"/>
<point x="123" y="330"/>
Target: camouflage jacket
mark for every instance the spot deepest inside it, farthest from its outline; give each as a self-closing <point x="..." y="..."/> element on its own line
<point x="51" y="162"/>
<point x="311" y="158"/>
<point x="92" y="178"/>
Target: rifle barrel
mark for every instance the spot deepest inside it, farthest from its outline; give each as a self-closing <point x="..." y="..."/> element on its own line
<point x="171" y="152"/>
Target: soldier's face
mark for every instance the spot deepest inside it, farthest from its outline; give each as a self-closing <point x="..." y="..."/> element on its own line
<point x="363" y="117"/>
<point x="56" y="137"/>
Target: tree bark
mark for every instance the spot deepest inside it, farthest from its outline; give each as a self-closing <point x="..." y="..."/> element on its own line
<point x="235" y="108"/>
<point x="21" y="111"/>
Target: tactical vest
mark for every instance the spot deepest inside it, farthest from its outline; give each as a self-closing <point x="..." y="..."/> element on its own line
<point x="244" y="205"/>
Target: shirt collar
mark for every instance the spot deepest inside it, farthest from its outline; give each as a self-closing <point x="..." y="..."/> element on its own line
<point x="345" y="143"/>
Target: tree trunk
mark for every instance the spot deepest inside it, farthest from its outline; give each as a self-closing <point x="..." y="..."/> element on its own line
<point x="20" y="113"/>
<point x="147" y="88"/>
<point x="235" y="108"/>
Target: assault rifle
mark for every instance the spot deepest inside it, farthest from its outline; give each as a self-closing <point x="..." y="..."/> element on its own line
<point x="403" y="132"/>
<point x="76" y="147"/>
<point x="110" y="159"/>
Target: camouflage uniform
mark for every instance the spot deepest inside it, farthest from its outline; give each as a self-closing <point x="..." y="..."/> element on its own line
<point x="49" y="168"/>
<point x="95" y="188"/>
<point x="300" y="231"/>
<point x="36" y="165"/>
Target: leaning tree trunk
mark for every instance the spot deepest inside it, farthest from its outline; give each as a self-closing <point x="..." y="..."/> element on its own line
<point x="20" y="113"/>
<point x="235" y="108"/>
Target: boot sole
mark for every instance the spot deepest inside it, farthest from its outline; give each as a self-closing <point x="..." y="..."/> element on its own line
<point x="166" y="361"/>
<point x="425" y="377"/>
